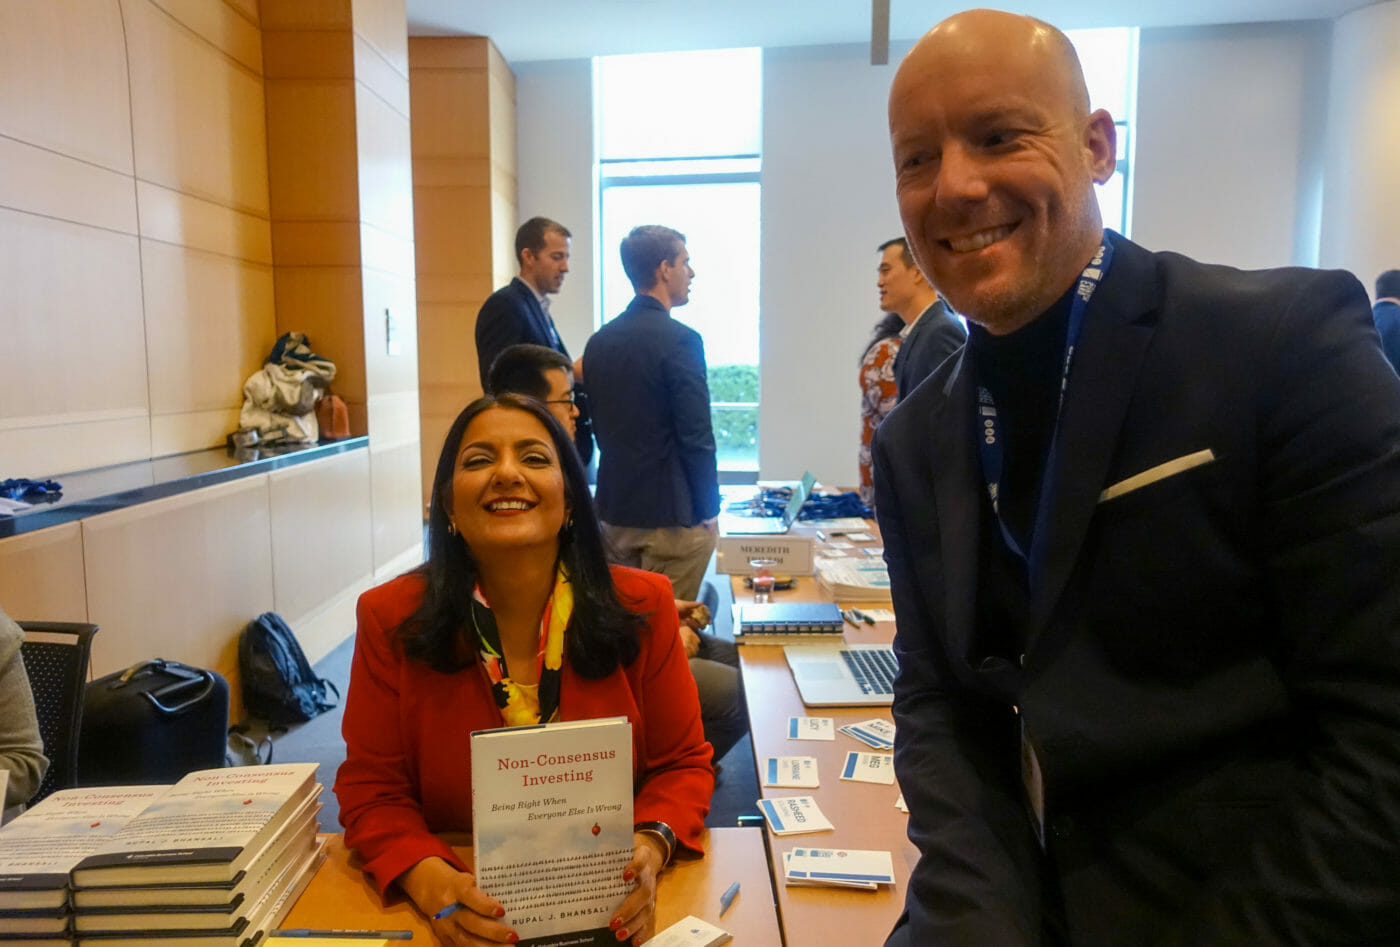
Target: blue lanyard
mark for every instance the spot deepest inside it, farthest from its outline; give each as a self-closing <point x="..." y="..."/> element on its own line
<point x="993" y="450"/>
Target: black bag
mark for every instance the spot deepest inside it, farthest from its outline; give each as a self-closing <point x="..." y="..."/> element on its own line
<point x="278" y="683"/>
<point x="152" y="723"/>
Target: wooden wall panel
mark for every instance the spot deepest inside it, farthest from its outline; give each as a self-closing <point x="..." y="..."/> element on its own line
<point x="74" y="344"/>
<point x="382" y="23"/>
<point x="385" y="165"/>
<point x="321" y="534"/>
<point x="53" y="185"/>
<point x="312" y="126"/>
<point x="398" y="513"/>
<point x="180" y="578"/>
<point x="450" y="111"/>
<point x="220" y="24"/>
<point x="380" y="76"/>
<point x="198" y="116"/>
<point x="326" y="303"/>
<point x="193" y="222"/>
<point x="210" y="323"/>
<point x="63" y="82"/>
<point x="305" y="14"/>
<point x="41" y="575"/>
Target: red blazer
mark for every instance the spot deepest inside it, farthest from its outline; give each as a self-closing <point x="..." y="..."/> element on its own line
<point x="407" y="772"/>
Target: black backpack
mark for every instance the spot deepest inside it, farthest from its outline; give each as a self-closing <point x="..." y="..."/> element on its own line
<point x="278" y="683"/>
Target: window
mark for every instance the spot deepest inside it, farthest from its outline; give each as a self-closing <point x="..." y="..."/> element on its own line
<point x="679" y="145"/>
<point x="1109" y="59"/>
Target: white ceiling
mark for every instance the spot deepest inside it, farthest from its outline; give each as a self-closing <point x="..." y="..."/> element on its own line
<point x="526" y="30"/>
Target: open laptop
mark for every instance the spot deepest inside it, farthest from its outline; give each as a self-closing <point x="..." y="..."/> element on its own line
<point x="842" y="675"/>
<point x="737" y="524"/>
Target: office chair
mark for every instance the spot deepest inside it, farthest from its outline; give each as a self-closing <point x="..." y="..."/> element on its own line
<point x="56" y="660"/>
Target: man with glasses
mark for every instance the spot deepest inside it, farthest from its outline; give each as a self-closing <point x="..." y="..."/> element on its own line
<point x="539" y="372"/>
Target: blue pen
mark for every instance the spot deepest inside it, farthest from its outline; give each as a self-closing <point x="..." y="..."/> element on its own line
<point x="308" y="932"/>
<point x="726" y="899"/>
<point x="448" y="911"/>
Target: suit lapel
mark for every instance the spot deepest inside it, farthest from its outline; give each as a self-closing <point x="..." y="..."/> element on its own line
<point x="953" y="469"/>
<point x="1117" y="330"/>
<point x="537" y="313"/>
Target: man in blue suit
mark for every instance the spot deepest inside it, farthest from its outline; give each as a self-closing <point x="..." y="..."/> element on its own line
<point x="1143" y="536"/>
<point x="658" y="488"/>
<point x="519" y="311"/>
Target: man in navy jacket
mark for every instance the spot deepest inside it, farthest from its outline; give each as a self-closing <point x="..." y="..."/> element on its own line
<point x="658" y="488"/>
<point x="519" y="311"/>
<point x="1143" y="536"/>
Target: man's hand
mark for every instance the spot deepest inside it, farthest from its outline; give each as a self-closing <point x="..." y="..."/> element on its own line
<point x="694" y="615"/>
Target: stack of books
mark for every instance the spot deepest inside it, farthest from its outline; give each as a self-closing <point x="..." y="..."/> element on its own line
<point x="778" y="623"/>
<point x="854" y="579"/>
<point x="214" y="861"/>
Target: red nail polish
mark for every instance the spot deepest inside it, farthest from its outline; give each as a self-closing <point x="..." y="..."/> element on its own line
<point x="628" y="875"/>
<point x="621" y="935"/>
<point x="513" y="937"/>
<point x="615" y="923"/>
<point x="500" y="912"/>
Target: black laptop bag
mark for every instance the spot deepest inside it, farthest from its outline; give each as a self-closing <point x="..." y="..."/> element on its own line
<point x="152" y="723"/>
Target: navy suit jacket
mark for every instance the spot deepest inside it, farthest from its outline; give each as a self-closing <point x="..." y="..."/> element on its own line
<point x="651" y="415"/>
<point x="513" y="316"/>
<point x="936" y="335"/>
<point x="1211" y="668"/>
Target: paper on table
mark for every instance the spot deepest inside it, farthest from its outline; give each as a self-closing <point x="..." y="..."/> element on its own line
<point x="794" y="815"/>
<point x="811" y="728"/>
<point x="800" y="882"/>
<point x="796" y="772"/>
<point x="840" y="866"/>
<point x="869" y="768"/>
<point x="875" y="733"/>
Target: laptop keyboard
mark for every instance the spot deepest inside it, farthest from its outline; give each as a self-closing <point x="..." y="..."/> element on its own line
<point x="873" y="669"/>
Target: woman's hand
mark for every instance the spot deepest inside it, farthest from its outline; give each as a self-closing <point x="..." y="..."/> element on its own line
<point x="433" y="884"/>
<point x="636" y="919"/>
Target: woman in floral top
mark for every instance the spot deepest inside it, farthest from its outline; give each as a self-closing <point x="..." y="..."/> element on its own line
<point x="877" y="391"/>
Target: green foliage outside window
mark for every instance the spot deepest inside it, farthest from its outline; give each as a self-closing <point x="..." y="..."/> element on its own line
<point x="736" y="427"/>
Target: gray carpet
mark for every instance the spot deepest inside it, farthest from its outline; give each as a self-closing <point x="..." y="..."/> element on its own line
<point x="319" y="740"/>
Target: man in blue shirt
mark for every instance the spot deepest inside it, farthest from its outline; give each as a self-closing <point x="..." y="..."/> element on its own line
<point x="1386" y="312"/>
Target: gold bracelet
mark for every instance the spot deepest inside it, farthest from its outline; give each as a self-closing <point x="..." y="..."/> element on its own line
<point x="663" y="832"/>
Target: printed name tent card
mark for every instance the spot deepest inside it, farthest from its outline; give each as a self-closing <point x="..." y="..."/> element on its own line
<point x="869" y="768"/>
<point x="811" y="728"/>
<point x="794" y="815"/>
<point x="796" y="772"/>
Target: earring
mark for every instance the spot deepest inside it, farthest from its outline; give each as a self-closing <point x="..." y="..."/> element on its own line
<point x="451" y="528"/>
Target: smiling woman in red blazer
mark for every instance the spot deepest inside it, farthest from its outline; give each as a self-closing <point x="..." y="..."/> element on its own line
<point x="515" y="618"/>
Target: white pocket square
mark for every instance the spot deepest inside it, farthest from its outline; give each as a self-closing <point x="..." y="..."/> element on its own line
<point x="1161" y="472"/>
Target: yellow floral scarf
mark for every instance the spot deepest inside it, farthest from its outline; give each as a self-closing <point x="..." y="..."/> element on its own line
<point x="520" y="704"/>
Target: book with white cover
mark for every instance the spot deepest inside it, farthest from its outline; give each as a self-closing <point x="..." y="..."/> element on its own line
<point x="146" y="909"/>
<point x="854" y="579"/>
<point x="269" y="910"/>
<point x="691" y="931"/>
<point x="207" y="827"/>
<point x="226" y="895"/>
<point x="552" y="826"/>
<point x="39" y="848"/>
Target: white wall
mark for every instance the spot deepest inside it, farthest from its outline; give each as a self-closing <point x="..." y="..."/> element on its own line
<point x="554" y="147"/>
<point x="1361" y="207"/>
<point x="828" y="202"/>
<point x="1228" y="163"/>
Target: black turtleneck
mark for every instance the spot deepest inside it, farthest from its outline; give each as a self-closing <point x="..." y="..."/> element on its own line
<point x="1022" y="371"/>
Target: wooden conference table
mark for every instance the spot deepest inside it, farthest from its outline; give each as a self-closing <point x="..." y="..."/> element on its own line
<point x="340" y="898"/>
<point x="864" y="814"/>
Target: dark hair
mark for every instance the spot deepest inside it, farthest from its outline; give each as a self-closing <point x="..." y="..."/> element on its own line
<point x="519" y="369"/>
<point x="892" y="324"/>
<point x="601" y="634"/>
<point x="903" y="245"/>
<point x="1388" y="284"/>
<point x="644" y="249"/>
<point x="531" y="235"/>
